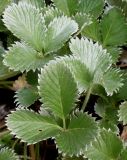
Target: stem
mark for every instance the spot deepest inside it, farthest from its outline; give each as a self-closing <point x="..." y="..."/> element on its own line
<point x="6" y="82"/>
<point x="37" y="151"/>
<point x="32" y="152"/>
<point x="14" y="144"/>
<point x="25" y="151"/>
<point x="64" y="123"/>
<point x="86" y="98"/>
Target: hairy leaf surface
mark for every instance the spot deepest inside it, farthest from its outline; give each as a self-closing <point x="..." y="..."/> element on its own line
<point x="106" y="146"/>
<point x="79" y="133"/>
<point x="93" y="7"/>
<point x="8" y="154"/>
<point x="25" y="22"/>
<point x="21" y="57"/>
<point x="123" y="113"/>
<point x="59" y="31"/>
<point x="113" y="28"/>
<point x="26" y="97"/>
<point x="57" y="89"/>
<point x="31" y="127"/>
<point x="69" y="7"/>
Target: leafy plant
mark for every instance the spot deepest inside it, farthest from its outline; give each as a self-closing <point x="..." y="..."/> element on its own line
<point x="68" y="52"/>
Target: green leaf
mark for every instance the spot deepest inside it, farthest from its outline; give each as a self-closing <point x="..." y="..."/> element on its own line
<point x="113" y="28"/>
<point x="57" y="89"/>
<point x="31" y="127"/>
<point x="80" y="132"/>
<point x="83" y="20"/>
<point x="8" y="154"/>
<point x="92" y="31"/>
<point x="92" y="55"/>
<point x="26" y="97"/>
<point x="69" y="7"/>
<point x="59" y="31"/>
<point x="4" y="71"/>
<point x="37" y="3"/>
<point x="79" y="71"/>
<point x="96" y="62"/>
<point x="123" y="113"/>
<point x="108" y="125"/>
<point x="112" y="81"/>
<point x="26" y="26"/>
<point x="107" y="110"/>
<point x="93" y="7"/>
<point x="107" y="146"/>
<point x="3" y="5"/>
<point x="21" y="57"/>
<point x="50" y="13"/>
<point x="114" y="52"/>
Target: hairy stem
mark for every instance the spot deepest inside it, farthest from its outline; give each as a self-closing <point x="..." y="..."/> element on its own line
<point x="64" y="123"/>
<point x="86" y="98"/>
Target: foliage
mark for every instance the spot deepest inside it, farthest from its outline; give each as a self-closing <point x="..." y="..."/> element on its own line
<point x="68" y="52"/>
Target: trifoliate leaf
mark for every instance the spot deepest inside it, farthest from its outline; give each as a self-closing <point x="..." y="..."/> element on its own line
<point x="21" y="57"/>
<point x="112" y="81"/>
<point x="26" y="97"/>
<point x="97" y="62"/>
<point x="113" y="28"/>
<point x="59" y="31"/>
<point x="57" y="89"/>
<point x="69" y="7"/>
<point x="80" y="132"/>
<point x="107" y="146"/>
<point x="123" y="112"/>
<point x="92" y="31"/>
<point x="8" y="154"/>
<point x="93" y="7"/>
<point x="31" y="127"/>
<point x="25" y="22"/>
<point x="37" y="3"/>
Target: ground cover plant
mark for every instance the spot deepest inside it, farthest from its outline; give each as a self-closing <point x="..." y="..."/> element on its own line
<point x="70" y="60"/>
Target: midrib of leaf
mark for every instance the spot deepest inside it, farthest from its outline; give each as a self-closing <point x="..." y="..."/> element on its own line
<point x="107" y="35"/>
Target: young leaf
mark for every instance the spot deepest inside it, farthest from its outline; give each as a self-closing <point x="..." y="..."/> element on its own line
<point x="123" y="113"/>
<point x="26" y="97"/>
<point x="8" y="154"/>
<point x="31" y="127"/>
<point x="80" y="132"/>
<point x="106" y="146"/>
<point x="21" y="57"/>
<point x="97" y="62"/>
<point x="57" y="89"/>
<point x="25" y="22"/>
<point x="93" y="7"/>
<point x="113" y="28"/>
<point x="69" y="7"/>
<point x="59" y="31"/>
